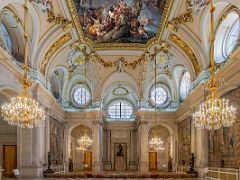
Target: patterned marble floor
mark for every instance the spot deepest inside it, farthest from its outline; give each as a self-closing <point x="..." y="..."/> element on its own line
<point x="100" y="179"/>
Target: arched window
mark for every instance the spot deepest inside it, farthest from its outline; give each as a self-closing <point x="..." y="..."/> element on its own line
<point x="160" y="93"/>
<point x="227" y="37"/>
<point x="6" y="38"/>
<point x="185" y="85"/>
<point x="81" y="95"/>
<point x="120" y="110"/>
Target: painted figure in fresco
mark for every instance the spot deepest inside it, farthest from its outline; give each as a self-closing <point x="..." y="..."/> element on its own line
<point x="119" y="150"/>
<point x="120" y="20"/>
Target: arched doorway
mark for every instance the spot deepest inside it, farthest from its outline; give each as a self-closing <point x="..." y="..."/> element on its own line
<point x="158" y="160"/>
<point x="81" y="160"/>
<point x="8" y="143"/>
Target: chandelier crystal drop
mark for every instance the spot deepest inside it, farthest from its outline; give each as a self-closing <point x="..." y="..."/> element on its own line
<point x="215" y="112"/>
<point x="23" y="111"/>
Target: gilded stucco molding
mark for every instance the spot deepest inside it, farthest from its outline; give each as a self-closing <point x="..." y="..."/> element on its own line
<point x="59" y="43"/>
<point x="120" y="46"/>
<point x="180" y="43"/>
<point x="108" y="64"/>
<point x="58" y="19"/>
<point x="181" y="19"/>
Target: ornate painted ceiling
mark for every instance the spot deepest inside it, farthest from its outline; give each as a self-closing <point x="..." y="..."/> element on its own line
<point x="113" y="23"/>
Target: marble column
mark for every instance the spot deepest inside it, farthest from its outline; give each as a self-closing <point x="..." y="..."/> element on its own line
<point x="201" y="151"/>
<point x="143" y="164"/>
<point x="97" y="147"/>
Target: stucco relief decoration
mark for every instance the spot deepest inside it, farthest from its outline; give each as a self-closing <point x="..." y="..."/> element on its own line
<point x="164" y="63"/>
<point x="183" y="45"/>
<point x="59" y="43"/>
<point x="197" y="5"/>
<point x="120" y="91"/>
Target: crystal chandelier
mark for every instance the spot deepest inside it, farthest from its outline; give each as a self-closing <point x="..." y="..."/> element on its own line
<point x="215" y="112"/>
<point x="84" y="141"/>
<point x="81" y="148"/>
<point x="23" y="111"/>
<point x="156" y="143"/>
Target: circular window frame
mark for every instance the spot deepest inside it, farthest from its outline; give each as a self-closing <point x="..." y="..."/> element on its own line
<point x="74" y="89"/>
<point x="221" y="53"/>
<point x="164" y="87"/>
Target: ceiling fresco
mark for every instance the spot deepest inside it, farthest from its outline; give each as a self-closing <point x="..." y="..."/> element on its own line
<point x="119" y="21"/>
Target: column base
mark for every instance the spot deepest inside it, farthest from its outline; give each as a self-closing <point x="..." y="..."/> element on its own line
<point x="97" y="166"/>
<point x="201" y="172"/>
<point x="31" y="172"/>
<point x="143" y="167"/>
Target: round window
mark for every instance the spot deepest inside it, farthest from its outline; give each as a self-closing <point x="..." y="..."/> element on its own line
<point x="227" y="37"/>
<point x="81" y="95"/>
<point x="158" y="95"/>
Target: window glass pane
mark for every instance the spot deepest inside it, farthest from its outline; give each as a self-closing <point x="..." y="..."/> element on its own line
<point x="81" y="95"/>
<point x="227" y="37"/>
<point x="120" y="110"/>
<point x="185" y="85"/>
<point x="6" y="38"/>
<point x="158" y="95"/>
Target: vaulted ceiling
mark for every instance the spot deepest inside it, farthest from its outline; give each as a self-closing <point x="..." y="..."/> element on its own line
<point x="119" y="41"/>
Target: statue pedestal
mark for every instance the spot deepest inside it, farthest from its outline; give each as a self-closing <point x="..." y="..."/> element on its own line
<point x="193" y="173"/>
<point x="1" y="173"/>
<point x="120" y="164"/>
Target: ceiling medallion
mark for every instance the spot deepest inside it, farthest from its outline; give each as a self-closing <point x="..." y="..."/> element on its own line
<point x="120" y="91"/>
<point x="120" y="25"/>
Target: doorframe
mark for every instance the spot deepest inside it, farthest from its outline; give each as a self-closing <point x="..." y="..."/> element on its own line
<point x="4" y="154"/>
<point x="155" y="161"/>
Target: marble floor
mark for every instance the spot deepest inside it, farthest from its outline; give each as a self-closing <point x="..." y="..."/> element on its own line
<point x="98" y="178"/>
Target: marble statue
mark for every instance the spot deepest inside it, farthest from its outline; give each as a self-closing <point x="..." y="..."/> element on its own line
<point x="120" y="150"/>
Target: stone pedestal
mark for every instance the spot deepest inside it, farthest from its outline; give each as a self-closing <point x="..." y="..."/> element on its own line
<point x="193" y="173"/>
<point x="120" y="163"/>
<point x="1" y="173"/>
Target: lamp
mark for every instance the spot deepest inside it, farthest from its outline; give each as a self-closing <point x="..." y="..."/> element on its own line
<point x="215" y="112"/>
<point x="84" y="141"/>
<point x="23" y="111"/>
<point x="156" y="143"/>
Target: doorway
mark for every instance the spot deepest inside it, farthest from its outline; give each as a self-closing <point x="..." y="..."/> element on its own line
<point x="9" y="159"/>
<point x="88" y="160"/>
<point x="152" y="161"/>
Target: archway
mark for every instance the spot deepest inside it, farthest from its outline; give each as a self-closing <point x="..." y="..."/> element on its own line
<point x="80" y="160"/>
<point x="158" y="160"/>
<point x="8" y="143"/>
